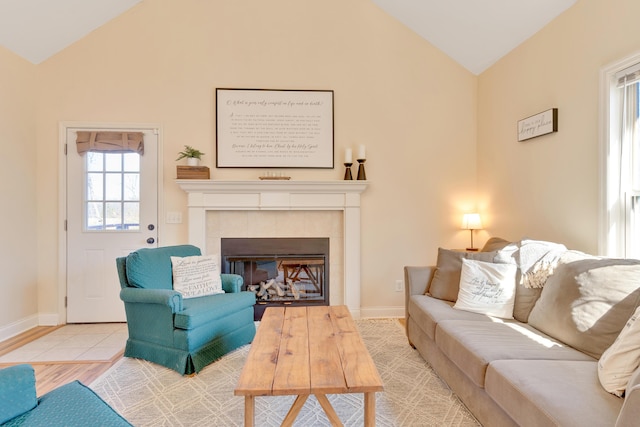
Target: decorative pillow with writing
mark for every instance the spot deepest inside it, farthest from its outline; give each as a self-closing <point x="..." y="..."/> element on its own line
<point x="619" y="361"/>
<point x="487" y="288"/>
<point x="446" y="279"/>
<point x="196" y="276"/>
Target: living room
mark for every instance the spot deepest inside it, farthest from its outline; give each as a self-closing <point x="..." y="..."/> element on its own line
<point x="437" y="136"/>
<point x="435" y="133"/>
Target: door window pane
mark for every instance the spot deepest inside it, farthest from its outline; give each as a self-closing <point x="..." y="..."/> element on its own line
<point x="132" y="162"/>
<point x="113" y="214"/>
<point x="113" y="162"/>
<point x="95" y="216"/>
<point x="131" y="215"/>
<point x="131" y="186"/>
<point x="113" y="186"/>
<point x="95" y="161"/>
<point x="95" y="182"/>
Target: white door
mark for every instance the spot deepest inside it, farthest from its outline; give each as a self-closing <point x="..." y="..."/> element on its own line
<point x="112" y="209"/>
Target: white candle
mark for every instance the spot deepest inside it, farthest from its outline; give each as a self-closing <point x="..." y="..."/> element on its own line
<point x="347" y="156"/>
<point x="361" y="152"/>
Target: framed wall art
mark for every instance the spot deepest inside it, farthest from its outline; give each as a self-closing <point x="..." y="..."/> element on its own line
<point x="266" y="128"/>
<point x="538" y="125"/>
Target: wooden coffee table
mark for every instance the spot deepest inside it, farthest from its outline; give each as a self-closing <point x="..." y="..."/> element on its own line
<point x="308" y="350"/>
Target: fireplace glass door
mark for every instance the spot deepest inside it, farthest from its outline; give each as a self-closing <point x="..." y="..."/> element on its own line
<point x="280" y="271"/>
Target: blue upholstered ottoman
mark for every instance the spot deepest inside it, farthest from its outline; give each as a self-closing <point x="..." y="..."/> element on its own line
<point x="70" y="405"/>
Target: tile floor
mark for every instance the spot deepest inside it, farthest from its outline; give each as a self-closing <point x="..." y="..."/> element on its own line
<point x="73" y="342"/>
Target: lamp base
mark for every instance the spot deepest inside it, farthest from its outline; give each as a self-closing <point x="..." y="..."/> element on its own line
<point x="471" y="249"/>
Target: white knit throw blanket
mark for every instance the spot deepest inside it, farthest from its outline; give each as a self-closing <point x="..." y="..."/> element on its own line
<point x="537" y="260"/>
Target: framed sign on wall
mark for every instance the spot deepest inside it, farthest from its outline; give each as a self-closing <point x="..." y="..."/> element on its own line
<point x="538" y="125"/>
<point x="263" y="128"/>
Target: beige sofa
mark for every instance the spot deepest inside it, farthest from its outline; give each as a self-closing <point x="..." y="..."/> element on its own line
<point x="508" y="372"/>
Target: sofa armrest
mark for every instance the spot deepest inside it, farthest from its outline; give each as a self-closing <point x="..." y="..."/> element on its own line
<point x="166" y="297"/>
<point x="231" y="283"/>
<point x="416" y="282"/>
<point x="417" y="279"/>
<point x="17" y="391"/>
<point x="630" y="412"/>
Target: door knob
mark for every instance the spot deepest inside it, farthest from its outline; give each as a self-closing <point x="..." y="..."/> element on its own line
<point x="151" y="240"/>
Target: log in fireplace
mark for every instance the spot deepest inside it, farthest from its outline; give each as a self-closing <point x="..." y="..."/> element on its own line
<point x="280" y="271"/>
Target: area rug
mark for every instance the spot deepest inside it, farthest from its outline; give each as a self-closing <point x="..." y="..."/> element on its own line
<point x="151" y="395"/>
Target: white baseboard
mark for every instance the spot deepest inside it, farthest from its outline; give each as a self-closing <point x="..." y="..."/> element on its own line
<point x="378" y="312"/>
<point x="18" y="327"/>
<point x="48" y="319"/>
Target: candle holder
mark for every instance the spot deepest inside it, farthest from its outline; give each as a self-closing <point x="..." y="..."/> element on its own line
<point x="362" y="176"/>
<point x="347" y="172"/>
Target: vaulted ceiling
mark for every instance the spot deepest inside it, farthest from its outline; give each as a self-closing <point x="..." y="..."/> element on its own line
<point x="475" y="33"/>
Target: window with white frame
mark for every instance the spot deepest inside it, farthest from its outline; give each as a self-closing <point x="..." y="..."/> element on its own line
<point x="621" y="214"/>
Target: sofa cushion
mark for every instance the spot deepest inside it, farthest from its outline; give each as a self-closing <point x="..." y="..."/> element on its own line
<point x="196" y="276"/>
<point x="473" y="345"/>
<point x="446" y="279"/>
<point x="538" y="392"/>
<point x="487" y="288"/>
<point x="585" y="303"/>
<point x="17" y="391"/>
<point x="428" y="312"/>
<point x="203" y="310"/>
<point x="622" y="359"/>
<point x="150" y="268"/>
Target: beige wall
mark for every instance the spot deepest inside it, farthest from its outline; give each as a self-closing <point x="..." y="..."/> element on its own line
<point x="160" y="62"/>
<point x="18" y="263"/>
<point x="548" y="187"/>
<point x="417" y="111"/>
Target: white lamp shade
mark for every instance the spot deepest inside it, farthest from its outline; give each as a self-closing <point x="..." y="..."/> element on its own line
<point x="471" y="221"/>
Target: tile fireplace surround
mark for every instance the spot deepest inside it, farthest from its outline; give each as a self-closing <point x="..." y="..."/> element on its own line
<point x="293" y="201"/>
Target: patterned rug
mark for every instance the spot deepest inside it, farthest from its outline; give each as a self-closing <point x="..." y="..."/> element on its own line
<point x="151" y="395"/>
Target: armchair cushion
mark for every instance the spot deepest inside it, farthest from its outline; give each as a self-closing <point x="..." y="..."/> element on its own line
<point x="150" y="268"/>
<point x="17" y="391"/>
<point x="203" y="310"/>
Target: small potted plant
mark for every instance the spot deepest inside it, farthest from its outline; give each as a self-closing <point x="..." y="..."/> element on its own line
<point x="192" y="155"/>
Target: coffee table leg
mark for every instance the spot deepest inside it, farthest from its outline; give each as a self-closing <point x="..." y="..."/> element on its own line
<point x="329" y="411"/>
<point x="370" y="409"/>
<point x="295" y="410"/>
<point x="249" y="411"/>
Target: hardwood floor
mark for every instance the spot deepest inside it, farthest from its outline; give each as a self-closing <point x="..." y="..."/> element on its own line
<point x="50" y="376"/>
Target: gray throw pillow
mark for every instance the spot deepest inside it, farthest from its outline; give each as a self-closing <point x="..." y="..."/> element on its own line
<point x="445" y="284"/>
<point x="495" y="244"/>
<point x="586" y="303"/>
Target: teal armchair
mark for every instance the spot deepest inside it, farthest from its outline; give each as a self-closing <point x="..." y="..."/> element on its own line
<point x="182" y="334"/>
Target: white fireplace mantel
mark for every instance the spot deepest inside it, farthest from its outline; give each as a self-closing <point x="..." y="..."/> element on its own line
<point x="208" y="195"/>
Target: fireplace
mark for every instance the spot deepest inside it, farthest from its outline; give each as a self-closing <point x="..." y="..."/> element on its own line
<point x="280" y="198"/>
<point x="280" y="271"/>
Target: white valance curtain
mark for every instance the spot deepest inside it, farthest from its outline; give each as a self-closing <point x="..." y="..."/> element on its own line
<point x="108" y="141"/>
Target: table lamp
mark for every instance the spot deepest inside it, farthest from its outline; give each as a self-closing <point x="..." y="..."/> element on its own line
<point x="471" y="221"/>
